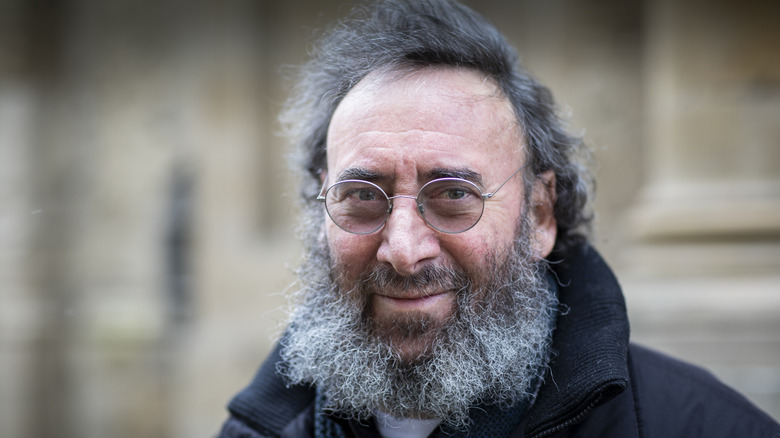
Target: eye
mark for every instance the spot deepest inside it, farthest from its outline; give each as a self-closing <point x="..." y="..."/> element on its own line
<point x="360" y="193"/>
<point x="365" y="194"/>
<point x="455" y="193"/>
<point x="450" y="191"/>
<point x="355" y="193"/>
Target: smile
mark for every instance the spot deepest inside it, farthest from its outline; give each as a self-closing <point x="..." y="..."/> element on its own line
<point x="428" y="302"/>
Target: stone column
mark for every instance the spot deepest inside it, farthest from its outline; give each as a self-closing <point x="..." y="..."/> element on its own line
<point x="90" y="132"/>
<point x="704" y="278"/>
<point x="19" y="312"/>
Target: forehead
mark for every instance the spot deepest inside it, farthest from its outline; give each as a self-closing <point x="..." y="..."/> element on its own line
<point x="433" y="117"/>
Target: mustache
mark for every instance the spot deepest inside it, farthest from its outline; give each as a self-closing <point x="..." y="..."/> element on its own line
<point x="430" y="279"/>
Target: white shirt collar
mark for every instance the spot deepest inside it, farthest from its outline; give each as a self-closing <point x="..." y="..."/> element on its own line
<point x="392" y="427"/>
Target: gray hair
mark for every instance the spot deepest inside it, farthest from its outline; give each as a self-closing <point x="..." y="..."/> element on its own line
<point x="401" y="34"/>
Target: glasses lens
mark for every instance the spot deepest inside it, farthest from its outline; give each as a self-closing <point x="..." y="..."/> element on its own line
<point x="359" y="207"/>
<point x="451" y="205"/>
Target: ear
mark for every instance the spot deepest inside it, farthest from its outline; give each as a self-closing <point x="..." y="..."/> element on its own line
<point x="543" y="202"/>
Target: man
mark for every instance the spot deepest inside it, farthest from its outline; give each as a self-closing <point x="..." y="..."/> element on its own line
<point x="448" y="288"/>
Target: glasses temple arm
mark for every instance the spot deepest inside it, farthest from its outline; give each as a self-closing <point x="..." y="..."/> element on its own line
<point x="320" y="197"/>
<point x="490" y="195"/>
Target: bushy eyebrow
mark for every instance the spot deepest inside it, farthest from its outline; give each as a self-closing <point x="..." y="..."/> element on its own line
<point x="362" y="174"/>
<point x="435" y="173"/>
<point x="460" y="172"/>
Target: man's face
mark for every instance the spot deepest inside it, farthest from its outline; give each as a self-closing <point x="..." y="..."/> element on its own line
<point x="406" y="130"/>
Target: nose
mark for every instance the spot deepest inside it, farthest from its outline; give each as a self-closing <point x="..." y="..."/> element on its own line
<point x="407" y="241"/>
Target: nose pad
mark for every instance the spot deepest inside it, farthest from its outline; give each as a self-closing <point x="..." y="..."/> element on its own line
<point x="391" y="205"/>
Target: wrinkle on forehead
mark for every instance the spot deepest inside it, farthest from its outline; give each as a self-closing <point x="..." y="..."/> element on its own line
<point x="461" y="91"/>
<point x="396" y="114"/>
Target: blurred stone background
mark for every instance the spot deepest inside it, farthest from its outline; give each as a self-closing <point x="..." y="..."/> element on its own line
<point x="146" y="226"/>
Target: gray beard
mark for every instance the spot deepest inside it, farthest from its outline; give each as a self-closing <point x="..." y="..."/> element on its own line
<point x="494" y="350"/>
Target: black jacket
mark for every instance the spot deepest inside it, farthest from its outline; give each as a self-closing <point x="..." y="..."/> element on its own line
<point x="598" y="384"/>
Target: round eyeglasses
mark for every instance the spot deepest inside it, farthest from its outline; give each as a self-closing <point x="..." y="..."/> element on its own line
<point x="449" y="205"/>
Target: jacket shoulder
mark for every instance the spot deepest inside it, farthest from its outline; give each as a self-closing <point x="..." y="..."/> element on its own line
<point x="270" y="407"/>
<point x="676" y="399"/>
<point x="235" y="428"/>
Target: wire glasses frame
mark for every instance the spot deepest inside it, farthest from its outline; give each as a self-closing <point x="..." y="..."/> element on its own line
<point x="448" y="205"/>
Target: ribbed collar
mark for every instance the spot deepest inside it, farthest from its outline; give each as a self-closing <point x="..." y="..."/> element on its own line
<point x="590" y="362"/>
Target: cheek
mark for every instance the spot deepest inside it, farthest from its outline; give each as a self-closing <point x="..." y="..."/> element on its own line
<point x="498" y="230"/>
<point x="493" y="236"/>
<point x="469" y="251"/>
<point x="351" y="253"/>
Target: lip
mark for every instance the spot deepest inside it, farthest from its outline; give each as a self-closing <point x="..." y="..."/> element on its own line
<point x="419" y="303"/>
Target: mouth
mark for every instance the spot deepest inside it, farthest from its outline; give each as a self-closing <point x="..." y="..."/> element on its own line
<point x="409" y="323"/>
<point x="422" y="303"/>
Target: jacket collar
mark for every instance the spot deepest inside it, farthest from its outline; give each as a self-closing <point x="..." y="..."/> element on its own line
<point x="269" y="404"/>
<point x="590" y="344"/>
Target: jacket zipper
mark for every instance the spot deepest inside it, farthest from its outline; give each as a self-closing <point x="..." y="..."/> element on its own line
<point x="574" y="420"/>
